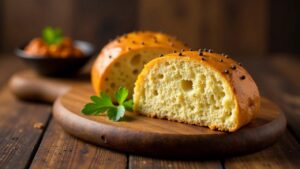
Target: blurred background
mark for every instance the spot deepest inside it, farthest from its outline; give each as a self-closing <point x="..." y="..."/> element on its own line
<point x="253" y="28"/>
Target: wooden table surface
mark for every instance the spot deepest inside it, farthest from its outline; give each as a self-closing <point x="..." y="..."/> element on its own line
<point x="23" y="145"/>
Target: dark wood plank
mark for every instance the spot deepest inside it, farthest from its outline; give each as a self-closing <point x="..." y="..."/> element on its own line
<point x="238" y="27"/>
<point x="137" y="162"/>
<point x="19" y="132"/>
<point x="1" y="23"/>
<point x="285" y="154"/>
<point x="284" y="26"/>
<point x="61" y="150"/>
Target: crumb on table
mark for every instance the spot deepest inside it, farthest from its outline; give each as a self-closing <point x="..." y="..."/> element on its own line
<point x="38" y="125"/>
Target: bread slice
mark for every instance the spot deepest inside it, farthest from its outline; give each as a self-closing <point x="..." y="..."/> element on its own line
<point x="201" y="88"/>
<point x="120" y="61"/>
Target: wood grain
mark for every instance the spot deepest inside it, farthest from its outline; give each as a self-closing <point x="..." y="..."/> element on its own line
<point x="148" y="136"/>
<point x="19" y="138"/>
<point x="61" y="150"/>
<point x="285" y="154"/>
<point x="137" y="162"/>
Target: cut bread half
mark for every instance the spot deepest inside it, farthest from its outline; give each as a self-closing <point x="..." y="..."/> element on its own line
<point x="121" y="60"/>
<point x="205" y="89"/>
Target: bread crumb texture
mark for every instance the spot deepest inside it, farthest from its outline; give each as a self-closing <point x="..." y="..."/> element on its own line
<point x="184" y="87"/>
<point x="122" y="59"/>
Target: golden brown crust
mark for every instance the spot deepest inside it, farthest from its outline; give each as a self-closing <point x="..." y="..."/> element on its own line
<point x="243" y="86"/>
<point x="126" y="43"/>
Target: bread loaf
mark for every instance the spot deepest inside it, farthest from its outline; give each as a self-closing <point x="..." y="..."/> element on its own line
<point x="121" y="60"/>
<point x="201" y="88"/>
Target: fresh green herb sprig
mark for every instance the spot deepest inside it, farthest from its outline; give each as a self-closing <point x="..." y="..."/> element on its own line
<point x="103" y="103"/>
<point x="52" y="35"/>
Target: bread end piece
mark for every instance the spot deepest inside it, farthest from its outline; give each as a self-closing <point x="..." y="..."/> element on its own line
<point x="209" y="90"/>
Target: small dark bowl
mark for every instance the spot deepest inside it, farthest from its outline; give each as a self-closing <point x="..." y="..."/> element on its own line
<point x="51" y="66"/>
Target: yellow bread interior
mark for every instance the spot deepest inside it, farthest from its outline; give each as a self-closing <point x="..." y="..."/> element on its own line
<point x="124" y="71"/>
<point x="193" y="90"/>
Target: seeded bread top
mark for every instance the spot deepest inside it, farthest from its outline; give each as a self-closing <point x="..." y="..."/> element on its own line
<point x="138" y="40"/>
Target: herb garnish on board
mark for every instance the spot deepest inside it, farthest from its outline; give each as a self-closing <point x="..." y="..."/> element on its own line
<point x="103" y="103"/>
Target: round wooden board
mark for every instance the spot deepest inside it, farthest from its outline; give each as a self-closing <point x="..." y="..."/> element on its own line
<point x="161" y="138"/>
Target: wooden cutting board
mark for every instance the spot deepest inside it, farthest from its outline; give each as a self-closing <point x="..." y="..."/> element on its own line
<point x="161" y="138"/>
<point x="28" y="85"/>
